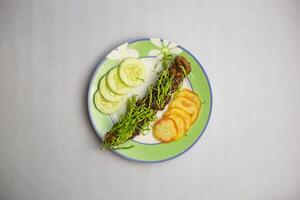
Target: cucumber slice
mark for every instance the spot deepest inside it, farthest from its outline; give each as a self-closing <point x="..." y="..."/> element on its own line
<point x="104" y="106"/>
<point x="115" y="83"/>
<point x="107" y="93"/>
<point x="132" y="72"/>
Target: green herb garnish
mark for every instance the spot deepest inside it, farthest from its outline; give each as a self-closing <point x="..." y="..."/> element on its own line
<point x="140" y="112"/>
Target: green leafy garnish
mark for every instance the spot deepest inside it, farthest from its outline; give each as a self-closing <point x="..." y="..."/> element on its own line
<point x="141" y="112"/>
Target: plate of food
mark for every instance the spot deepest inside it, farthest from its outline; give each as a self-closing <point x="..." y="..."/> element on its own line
<point x="149" y="100"/>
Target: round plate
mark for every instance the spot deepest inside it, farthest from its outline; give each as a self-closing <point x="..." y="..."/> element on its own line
<point x="149" y="50"/>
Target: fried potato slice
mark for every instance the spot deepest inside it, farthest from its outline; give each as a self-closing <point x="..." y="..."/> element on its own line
<point x="178" y="111"/>
<point x="165" y="130"/>
<point x="180" y="125"/>
<point x="187" y="105"/>
<point x="191" y="95"/>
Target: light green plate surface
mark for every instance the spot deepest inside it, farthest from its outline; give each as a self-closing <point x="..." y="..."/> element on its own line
<point x="143" y="48"/>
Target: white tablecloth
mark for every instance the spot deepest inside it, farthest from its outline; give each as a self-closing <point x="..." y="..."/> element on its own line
<point x="249" y="49"/>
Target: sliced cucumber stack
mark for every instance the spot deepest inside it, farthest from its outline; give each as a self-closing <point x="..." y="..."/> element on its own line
<point x="117" y="83"/>
<point x="104" y="106"/>
<point x="132" y="72"/>
<point x="107" y="93"/>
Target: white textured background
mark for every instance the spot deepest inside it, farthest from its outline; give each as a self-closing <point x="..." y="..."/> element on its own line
<point x="249" y="49"/>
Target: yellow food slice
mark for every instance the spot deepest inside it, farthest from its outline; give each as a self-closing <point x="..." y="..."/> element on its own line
<point x="185" y="116"/>
<point x="180" y="125"/>
<point x="191" y="95"/>
<point x="165" y="130"/>
<point x="187" y="105"/>
<point x="195" y="116"/>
